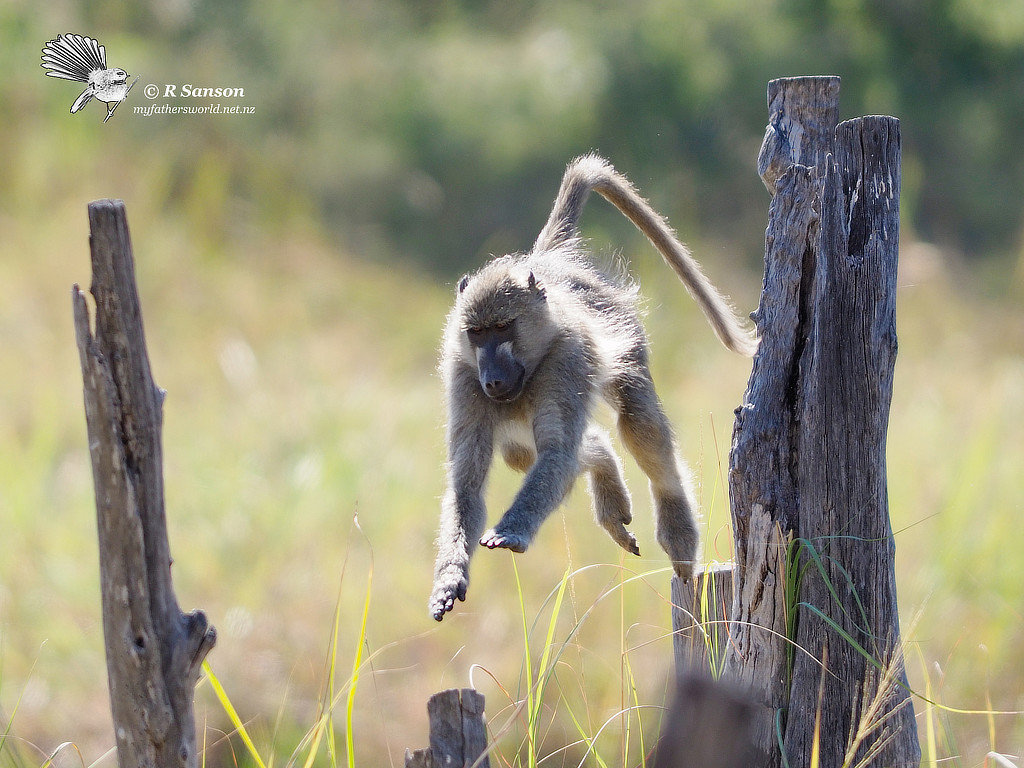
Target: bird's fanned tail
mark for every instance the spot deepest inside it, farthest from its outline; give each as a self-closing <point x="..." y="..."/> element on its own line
<point x="73" y="57"/>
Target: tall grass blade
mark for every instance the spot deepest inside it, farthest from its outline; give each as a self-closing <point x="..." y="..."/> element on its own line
<point x="999" y="761"/>
<point x="356" y="664"/>
<point x="780" y="737"/>
<point x="585" y="737"/>
<point x="332" y="747"/>
<point x="328" y="699"/>
<point x="530" y="706"/>
<point x="229" y="709"/>
<point x="816" y="740"/>
<point x="314" y="736"/>
<point x="52" y="759"/>
<point x="634" y="707"/>
<point x="13" y="756"/>
<point x="879" y="666"/>
<point x="931" y="749"/>
<point x="549" y="638"/>
<point x="805" y="545"/>
<point x="845" y="635"/>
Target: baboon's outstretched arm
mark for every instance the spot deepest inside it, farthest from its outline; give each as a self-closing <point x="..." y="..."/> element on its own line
<point x="592" y="172"/>
<point x="463" y="516"/>
<point x="558" y="425"/>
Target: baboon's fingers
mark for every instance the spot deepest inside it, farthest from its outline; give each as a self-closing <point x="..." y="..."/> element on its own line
<point x="439" y="608"/>
<point x="514" y="541"/>
<point x="450" y="584"/>
<point x="440" y="604"/>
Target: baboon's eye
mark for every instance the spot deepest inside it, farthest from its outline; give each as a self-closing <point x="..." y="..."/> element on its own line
<point x="474" y="330"/>
<point x="502" y="325"/>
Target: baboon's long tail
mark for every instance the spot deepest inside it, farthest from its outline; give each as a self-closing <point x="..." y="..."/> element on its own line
<point x="592" y="172"/>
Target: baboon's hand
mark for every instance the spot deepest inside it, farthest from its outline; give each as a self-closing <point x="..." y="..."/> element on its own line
<point x="494" y="539"/>
<point x="451" y="582"/>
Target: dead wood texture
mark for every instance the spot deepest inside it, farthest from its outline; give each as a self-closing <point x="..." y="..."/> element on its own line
<point x="700" y="619"/>
<point x="154" y="651"/>
<point x="814" y="594"/>
<point x="458" y="733"/>
<point x="847" y="609"/>
<point x="807" y="471"/>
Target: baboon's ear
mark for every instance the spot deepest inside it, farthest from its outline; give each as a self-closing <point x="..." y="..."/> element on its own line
<point x="463" y="283"/>
<point x="535" y="286"/>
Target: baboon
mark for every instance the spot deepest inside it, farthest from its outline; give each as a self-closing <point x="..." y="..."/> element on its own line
<point x="532" y="341"/>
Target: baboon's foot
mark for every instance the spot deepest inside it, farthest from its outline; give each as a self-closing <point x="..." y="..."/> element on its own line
<point x="612" y="508"/>
<point x="683" y="569"/>
<point x="677" y="533"/>
<point x="621" y="536"/>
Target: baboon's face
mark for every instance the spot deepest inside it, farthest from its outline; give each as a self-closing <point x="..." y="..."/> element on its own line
<point x="505" y="328"/>
<point x="501" y="373"/>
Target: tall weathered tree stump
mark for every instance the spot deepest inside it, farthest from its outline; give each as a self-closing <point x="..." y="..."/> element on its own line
<point x="154" y="651"/>
<point x="847" y="610"/>
<point x="762" y="472"/>
<point x="820" y="398"/>
<point x="814" y="628"/>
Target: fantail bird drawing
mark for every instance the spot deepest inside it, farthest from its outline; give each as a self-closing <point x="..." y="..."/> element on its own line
<point x="84" y="60"/>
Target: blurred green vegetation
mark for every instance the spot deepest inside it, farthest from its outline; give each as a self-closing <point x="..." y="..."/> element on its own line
<point x="295" y="267"/>
<point x="430" y="132"/>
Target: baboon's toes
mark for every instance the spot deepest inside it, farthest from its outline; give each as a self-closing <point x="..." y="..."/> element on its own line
<point x="632" y="546"/>
<point x="683" y="569"/>
<point x="625" y="539"/>
<point x="514" y="541"/>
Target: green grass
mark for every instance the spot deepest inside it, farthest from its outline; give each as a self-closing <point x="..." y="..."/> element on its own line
<point x="529" y="710"/>
<point x="302" y="392"/>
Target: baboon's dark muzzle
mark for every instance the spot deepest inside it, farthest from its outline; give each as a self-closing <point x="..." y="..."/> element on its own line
<point x="501" y="375"/>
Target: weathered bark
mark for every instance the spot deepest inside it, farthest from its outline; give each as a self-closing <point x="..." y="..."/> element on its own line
<point x="759" y="649"/>
<point x="154" y="651"/>
<point x="845" y="392"/>
<point x="458" y="733"/>
<point x="807" y="467"/>
<point x="700" y="619"/>
<point x="802" y="116"/>
<point x="763" y="462"/>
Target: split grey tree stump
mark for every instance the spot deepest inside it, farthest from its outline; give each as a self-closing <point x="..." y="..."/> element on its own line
<point x="813" y="630"/>
<point x="154" y="651"/>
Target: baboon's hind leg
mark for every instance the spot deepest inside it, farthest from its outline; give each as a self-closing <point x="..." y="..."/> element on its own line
<point x="607" y="488"/>
<point x="648" y="436"/>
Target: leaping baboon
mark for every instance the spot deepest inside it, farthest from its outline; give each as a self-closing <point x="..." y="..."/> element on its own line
<point x="532" y="341"/>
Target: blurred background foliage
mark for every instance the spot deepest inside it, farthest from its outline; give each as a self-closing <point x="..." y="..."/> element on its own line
<point x="432" y="132"/>
<point x="295" y="266"/>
